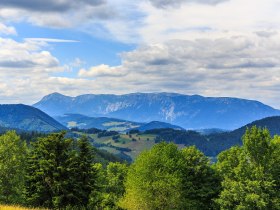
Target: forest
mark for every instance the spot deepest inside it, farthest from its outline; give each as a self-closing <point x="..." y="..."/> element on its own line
<point x="58" y="172"/>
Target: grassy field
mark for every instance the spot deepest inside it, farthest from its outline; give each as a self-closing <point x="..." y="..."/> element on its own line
<point x="136" y="143"/>
<point x="4" y="207"/>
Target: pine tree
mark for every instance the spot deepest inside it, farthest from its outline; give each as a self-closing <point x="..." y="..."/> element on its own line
<point x="82" y="172"/>
<point x="47" y="181"/>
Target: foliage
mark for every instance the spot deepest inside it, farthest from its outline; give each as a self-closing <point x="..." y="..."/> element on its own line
<point x="114" y="189"/>
<point x="111" y="187"/>
<point x="248" y="172"/>
<point x="58" y="174"/>
<point x="47" y="172"/>
<point x="167" y="178"/>
<point x="12" y="167"/>
<point x="82" y="172"/>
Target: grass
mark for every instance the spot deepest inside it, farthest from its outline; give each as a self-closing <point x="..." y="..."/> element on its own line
<point x="136" y="142"/>
<point x="5" y="207"/>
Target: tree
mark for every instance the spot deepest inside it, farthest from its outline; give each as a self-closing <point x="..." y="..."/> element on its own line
<point x="200" y="183"/>
<point x="47" y="182"/>
<point x="82" y="173"/>
<point x="248" y="181"/>
<point x="13" y="153"/>
<point x="114" y="185"/>
<point x="167" y="178"/>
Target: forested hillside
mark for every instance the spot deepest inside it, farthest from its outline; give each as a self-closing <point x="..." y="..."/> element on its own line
<point x="58" y="172"/>
<point x="129" y="145"/>
<point x="28" y="118"/>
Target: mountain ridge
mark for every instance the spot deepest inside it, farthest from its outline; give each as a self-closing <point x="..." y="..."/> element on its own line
<point x="187" y="111"/>
<point x="28" y="118"/>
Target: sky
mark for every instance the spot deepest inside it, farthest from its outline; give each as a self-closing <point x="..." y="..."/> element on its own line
<point x="213" y="48"/>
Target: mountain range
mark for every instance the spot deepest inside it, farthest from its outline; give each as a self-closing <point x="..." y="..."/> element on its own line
<point x="27" y="118"/>
<point x="187" y="111"/>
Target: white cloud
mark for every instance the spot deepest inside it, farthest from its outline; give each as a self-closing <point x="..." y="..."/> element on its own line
<point x="56" y="14"/>
<point x="227" y="49"/>
<point x="245" y="66"/>
<point x="102" y="71"/>
<point x="7" y="30"/>
<point x="139" y="21"/>
<point x="46" y="40"/>
<point x="177" y="3"/>
<point x="25" y="55"/>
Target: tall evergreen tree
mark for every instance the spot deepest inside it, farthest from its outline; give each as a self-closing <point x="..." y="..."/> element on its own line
<point x="83" y="174"/>
<point x="48" y="183"/>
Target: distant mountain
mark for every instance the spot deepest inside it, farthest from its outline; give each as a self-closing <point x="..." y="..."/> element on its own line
<point x="158" y="125"/>
<point x="190" y="112"/>
<point x="222" y="141"/>
<point x="112" y="124"/>
<point x="214" y="143"/>
<point x="211" y="131"/>
<point x="27" y="118"/>
<point x="271" y="123"/>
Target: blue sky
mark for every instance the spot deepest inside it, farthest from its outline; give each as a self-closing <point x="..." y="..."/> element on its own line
<point x="207" y="47"/>
<point x="91" y="50"/>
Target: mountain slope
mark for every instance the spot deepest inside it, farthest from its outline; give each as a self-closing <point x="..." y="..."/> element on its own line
<point x="132" y="144"/>
<point x="190" y="112"/>
<point x="222" y="141"/>
<point x="103" y="123"/>
<point x="214" y="143"/>
<point x="112" y="124"/>
<point x="27" y="118"/>
<point x="158" y="125"/>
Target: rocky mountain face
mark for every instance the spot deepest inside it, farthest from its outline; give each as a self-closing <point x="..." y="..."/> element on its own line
<point x="187" y="111"/>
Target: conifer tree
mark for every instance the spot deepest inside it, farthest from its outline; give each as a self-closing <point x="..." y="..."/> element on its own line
<point x="47" y="182"/>
<point x="82" y="172"/>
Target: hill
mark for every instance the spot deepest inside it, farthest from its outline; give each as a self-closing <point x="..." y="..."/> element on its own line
<point x="214" y="143"/>
<point x="222" y="141"/>
<point x="27" y="118"/>
<point x="106" y="123"/>
<point x="131" y="145"/>
<point x="102" y="123"/>
<point x="158" y="125"/>
<point x="190" y="112"/>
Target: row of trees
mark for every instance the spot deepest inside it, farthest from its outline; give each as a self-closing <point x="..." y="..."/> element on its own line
<point x="56" y="172"/>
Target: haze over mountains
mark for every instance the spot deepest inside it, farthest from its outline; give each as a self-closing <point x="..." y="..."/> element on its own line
<point x="189" y="112"/>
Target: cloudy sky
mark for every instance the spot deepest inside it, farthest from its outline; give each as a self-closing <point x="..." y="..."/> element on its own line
<point x="207" y="47"/>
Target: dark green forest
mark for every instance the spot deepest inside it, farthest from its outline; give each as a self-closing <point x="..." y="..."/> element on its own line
<point x="56" y="171"/>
